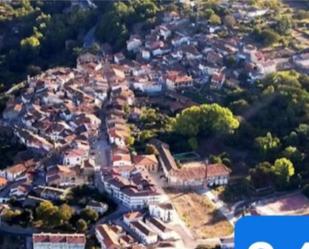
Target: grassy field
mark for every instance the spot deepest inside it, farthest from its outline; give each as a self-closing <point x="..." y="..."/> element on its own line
<point x="200" y="215"/>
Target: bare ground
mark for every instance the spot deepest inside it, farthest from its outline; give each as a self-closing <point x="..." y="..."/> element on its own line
<point x="200" y="215"/>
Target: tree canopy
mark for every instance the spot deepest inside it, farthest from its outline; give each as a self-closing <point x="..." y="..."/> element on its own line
<point x="114" y="26"/>
<point x="205" y="119"/>
<point x="283" y="170"/>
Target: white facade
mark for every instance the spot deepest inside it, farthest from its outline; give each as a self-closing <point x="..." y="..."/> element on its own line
<point x="162" y="212"/>
<point x="139" y="228"/>
<point x="59" y="245"/>
<point x="217" y="181"/>
<point x="130" y="200"/>
<point x="146" y="54"/>
<point x="117" y="140"/>
<point x="171" y="85"/>
<point x="72" y="160"/>
<point x="148" y="88"/>
<point x="121" y="163"/>
<point x="134" y="44"/>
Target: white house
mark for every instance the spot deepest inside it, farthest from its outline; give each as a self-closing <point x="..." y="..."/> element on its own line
<point x="164" y="31"/>
<point x="145" y="54"/>
<point x="163" y="211"/>
<point x="144" y="233"/>
<point x="217" y="174"/>
<point x="121" y="160"/>
<point x="134" y="190"/>
<point x="117" y="137"/>
<point x="161" y="229"/>
<point x="134" y="43"/>
<point x="176" y="80"/>
<point x="148" y="87"/>
<point x="74" y="157"/>
<point x="180" y="40"/>
<point x="13" y="172"/>
<point x="217" y="80"/>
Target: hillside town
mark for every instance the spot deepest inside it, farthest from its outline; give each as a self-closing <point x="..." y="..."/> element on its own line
<point x="76" y="125"/>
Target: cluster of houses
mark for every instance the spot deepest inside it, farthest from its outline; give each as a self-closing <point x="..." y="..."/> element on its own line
<point x="63" y="112"/>
<point x="60" y="116"/>
<point x="129" y="178"/>
<point x="145" y="229"/>
<point x="176" y="55"/>
<point x="56" y="117"/>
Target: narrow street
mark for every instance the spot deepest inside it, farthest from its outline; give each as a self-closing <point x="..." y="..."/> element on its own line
<point x="102" y="151"/>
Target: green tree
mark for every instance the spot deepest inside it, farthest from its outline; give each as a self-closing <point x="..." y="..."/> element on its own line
<point x="9" y="215"/>
<point x="206" y="119"/>
<point x="186" y="122"/>
<point x="229" y="21"/>
<point x="283" y="25"/>
<point x="149" y="115"/>
<point x="269" y="37"/>
<point x="147" y="135"/>
<point x="115" y="24"/>
<point x="29" y="47"/>
<point x="89" y="215"/>
<point x="208" y="13"/>
<point x="130" y="140"/>
<point x="65" y="213"/>
<point x="293" y="154"/>
<point x="81" y="225"/>
<point x="283" y="170"/>
<point x="261" y="175"/>
<point x="239" y="106"/>
<point x="266" y="37"/>
<point x="268" y="144"/>
<point x="304" y="80"/>
<point x="214" y="19"/>
<point x="30" y="42"/>
<point x="218" y="119"/>
<point x="46" y="212"/>
<point x="193" y="143"/>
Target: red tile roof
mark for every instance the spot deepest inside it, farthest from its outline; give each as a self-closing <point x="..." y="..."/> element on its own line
<point x="59" y="238"/>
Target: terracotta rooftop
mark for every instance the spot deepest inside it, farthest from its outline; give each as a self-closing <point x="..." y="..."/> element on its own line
<point x="59" y="238"/>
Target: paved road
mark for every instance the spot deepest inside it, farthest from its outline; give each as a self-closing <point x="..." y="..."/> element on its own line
<point x="102" y="152"/>
<point x="16" y="230"/>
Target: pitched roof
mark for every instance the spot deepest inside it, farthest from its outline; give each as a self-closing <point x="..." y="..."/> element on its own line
<point x="165" y="154"/>
<point x="145" y="160"/>
<point x="3" y="181"/>
<point x="217" y="169"/>
<point x="74" y="238"/>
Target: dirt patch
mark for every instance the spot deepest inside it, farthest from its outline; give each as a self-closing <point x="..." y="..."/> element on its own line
<point x="293" y="204"/>
<point x="200" y="215"/>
